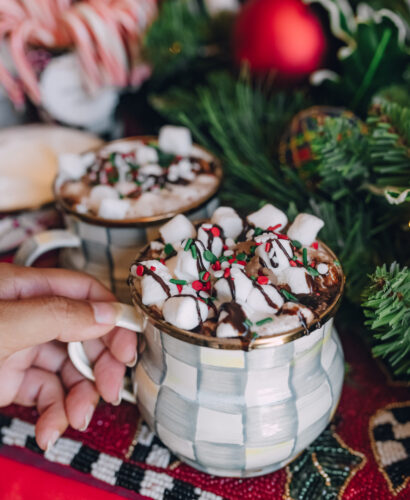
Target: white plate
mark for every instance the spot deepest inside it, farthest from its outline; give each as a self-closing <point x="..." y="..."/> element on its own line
<point x="28" y="162"/>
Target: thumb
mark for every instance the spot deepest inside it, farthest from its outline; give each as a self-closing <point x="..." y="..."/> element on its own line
<point x="29" y="322"/>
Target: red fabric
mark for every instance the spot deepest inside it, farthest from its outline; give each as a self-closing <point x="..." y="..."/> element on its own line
<point x="24" y="482"/>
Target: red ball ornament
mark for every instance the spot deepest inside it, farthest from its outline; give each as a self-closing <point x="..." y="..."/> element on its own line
<point x="283" y="35"/>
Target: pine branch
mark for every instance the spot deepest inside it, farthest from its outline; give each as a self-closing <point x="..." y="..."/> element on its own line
<point x="386" y="305"/>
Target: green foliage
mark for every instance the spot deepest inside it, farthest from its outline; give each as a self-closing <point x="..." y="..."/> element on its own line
<point x="386" y="305"/>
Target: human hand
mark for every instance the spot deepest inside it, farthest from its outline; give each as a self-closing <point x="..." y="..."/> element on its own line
<point x="40" y="309"/>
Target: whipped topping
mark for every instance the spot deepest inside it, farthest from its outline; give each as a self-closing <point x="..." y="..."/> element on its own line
<point x="132" y="179"/>
<point x="235" y="277"/>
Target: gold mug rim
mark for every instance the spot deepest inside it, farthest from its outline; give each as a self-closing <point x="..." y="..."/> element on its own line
<point x="235" y="343"/>
<point x="148" y="220"/>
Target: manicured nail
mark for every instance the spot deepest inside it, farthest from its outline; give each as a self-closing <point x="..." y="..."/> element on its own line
<point x="117" y="402"/>
<point x="87" y="419"/>
<point x="104" y="312"/>
<point x="134" y="361"/>
<point x="53" y="438"/>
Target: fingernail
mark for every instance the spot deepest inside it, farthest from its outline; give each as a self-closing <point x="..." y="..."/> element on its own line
<point x="88" y="418"/>
<point x="117" y="402"/>
<point x="51" y="442"/>
<point x="134" y="361"/>
<point x="104" y="312"/>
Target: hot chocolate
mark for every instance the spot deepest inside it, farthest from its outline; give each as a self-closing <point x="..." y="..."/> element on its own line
<point x="133" y="179"/>
<point x="238" y="277"/>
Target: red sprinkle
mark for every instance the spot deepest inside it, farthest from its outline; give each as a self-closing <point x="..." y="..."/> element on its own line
<point x="292" y="263"/>
<point x="227" y="272"/>
<point x="207" y="286"/>
<point x="215" y="231"/>
<point x="163" y="261"/>
<point x="282" y="236"/>
<point x="242" y="262"/>
<point x="267" y="246"/>
<point x="140" y="270"/>
<point x="197" y="285"/>
<point x="300" y="263"/>
<point x="225" y="247"/>
<point x="232" y="260"/>
<point x="315" y="245"/>
<point x="216" y="266"/>
<point x="257" y="244"/>
<point x="273" y="228"/>
<point x="153" y="268"/>
<point x="262" y="280"/>
<point x="313" y="263"/>
<point x="179" y="288"/>
<point x="206" y="276"/>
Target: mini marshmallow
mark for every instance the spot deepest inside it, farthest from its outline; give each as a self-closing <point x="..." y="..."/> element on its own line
<point x="100" y="193"/>
<point x="228" y="220"/>
<point x="295" y="277"/>
<point x="146" y="154"/>
<point x="278" y="254"/>
<point x="152" y="292"/>
<point x="187" y="266"/>
<point x="182" y="312"/>
<point x="226" y="329"/>
<point x="268" y="216"/>
<point x="322" y="268"/>
<point x="177" y="229"/>
<point x="175" y="140"/>
<point x="113" y="209"/>
<point x="125" y="187"/>
<point x="305" y="228"/>
<point x="74" y="166"/>
<point x="258" y="302"/>
<point x="206" y="237"/>
<point x="242" y="286"/>
<point x="156" y="245"/>
<point x="155" y="170"/>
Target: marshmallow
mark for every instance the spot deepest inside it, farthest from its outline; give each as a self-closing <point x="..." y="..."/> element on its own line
<point x="100" y="193"/>
<point x="183" y="170"/>
<point x="175" y="140"/>
<point x="228" y="220"/>
<point x="322" y="268"/>
<point x="275" y="254"/>
<point x="177" y="229"/>
<point x="113" y="209"/>
<point x="268" y="216"/>
<point x="206" y="236"/>
<point x="151" y="291"/>
<point x="125" y="187"/>
<point x="155" y="170"/>
<point x="258" y="302"/>
<point x="242" y="286"/>
<point x="74" y="166"/>
<point x="187" y="266"/>
<point x="182" y="312"/>
<point x="146" y="154"/>
<point x="295" y="277"/>
<point x="227" y="329"/>
<point x="305" y="228"/>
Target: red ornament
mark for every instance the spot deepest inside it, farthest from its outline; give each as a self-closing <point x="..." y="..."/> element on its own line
<point x="282" y="35"/>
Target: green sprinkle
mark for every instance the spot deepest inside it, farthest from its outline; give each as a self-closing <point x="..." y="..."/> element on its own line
<point x="296" y="244"/>
<point x="112" y="159"/>
<point x="202" y="274"/>
<point x="210" y="257"/>
<point x="194" y="252"/>
<point x="253" y="278"/>
<point x="263" y="321"/>
<point x="254" y="335"/>
<point x="223" y="258"/>
<point x="248" y="322"/>
<point x="312" y="271"/>
<point x="289" y="296"/>
<point x="305" y="259"/>
<point x="169" y="249"/>
<point x="241" y="256"/>
<point x="188" y="244"/>
<point x="336" y="263"/>
<point x="258" y="231"/>
<point x="177" y="282"/>
<point x="253" y="248"/>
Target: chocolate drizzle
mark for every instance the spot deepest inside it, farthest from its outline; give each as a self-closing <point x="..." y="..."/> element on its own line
<point x="236" y="317"/>
<point x="159" y="280"/>
<point x="198" y="310"/>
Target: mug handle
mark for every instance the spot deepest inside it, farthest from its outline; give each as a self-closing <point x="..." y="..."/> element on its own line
<point x="36" y="245"/>
<point x="127" y="317"/>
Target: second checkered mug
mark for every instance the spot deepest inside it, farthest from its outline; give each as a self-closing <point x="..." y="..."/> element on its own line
<point x="227" y="408"/>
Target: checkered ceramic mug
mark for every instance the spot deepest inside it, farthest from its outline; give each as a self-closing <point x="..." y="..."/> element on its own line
<point x="229" y="411"/>
<point x="104" y="247"/>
